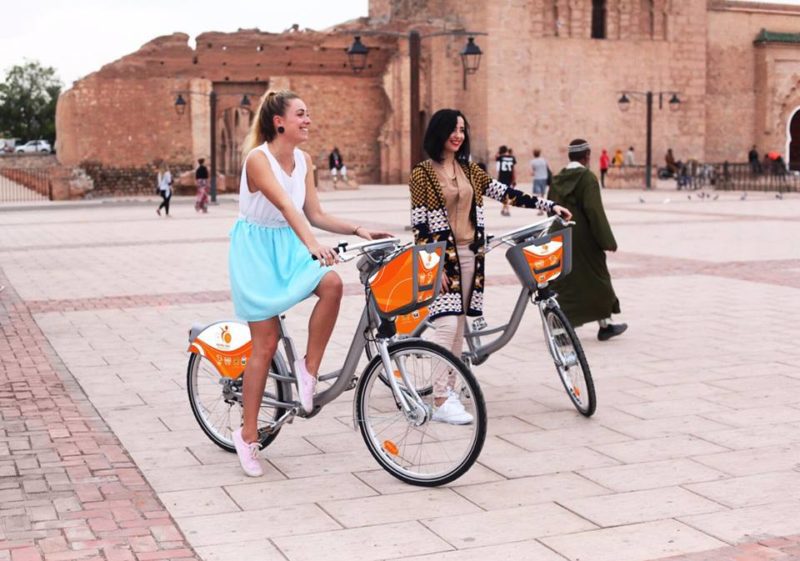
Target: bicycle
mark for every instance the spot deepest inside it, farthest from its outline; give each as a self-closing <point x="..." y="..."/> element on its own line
<point x="537" y="256"/>
<point x="395" y="420"/>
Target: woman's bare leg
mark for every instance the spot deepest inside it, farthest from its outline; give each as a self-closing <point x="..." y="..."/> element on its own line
<point x="265" y="335"/>
<point x="323" y="319"/>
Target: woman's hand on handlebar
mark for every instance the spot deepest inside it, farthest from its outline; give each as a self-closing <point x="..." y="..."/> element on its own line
<point x="324" y="254"/>
<point x="372" y="234"/>
<point x="562" y="212"/>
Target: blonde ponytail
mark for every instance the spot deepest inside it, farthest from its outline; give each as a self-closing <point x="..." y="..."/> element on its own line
<point x="263" y="128"/>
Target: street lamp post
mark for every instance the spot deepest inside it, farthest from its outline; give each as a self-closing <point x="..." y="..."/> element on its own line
<point x="212" y="104"/>
<point x="624" y="103"/>
<point x="470" y="61"/>
<point x="180" y="109"/>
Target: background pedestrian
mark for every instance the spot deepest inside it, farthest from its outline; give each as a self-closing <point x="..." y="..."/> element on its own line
<point x="164" y="188"/>
<point x="586" y="294"/>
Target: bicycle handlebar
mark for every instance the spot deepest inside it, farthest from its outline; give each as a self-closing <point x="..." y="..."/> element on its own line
<point x="527" y="230"/>
<point x="347" y="252"/>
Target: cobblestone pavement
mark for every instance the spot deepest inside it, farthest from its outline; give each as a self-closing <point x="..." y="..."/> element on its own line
<point x="693" y="454"/>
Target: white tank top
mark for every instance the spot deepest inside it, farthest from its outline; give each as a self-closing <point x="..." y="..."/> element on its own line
<point x="256" y="208"/>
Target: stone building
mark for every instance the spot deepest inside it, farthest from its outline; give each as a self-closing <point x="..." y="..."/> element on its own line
<point x="551" y="70"/>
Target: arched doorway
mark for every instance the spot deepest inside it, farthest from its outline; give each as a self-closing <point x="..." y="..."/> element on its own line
<point x="793" y="140"/>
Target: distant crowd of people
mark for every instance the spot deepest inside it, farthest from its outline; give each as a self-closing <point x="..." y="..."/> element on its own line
<point x="772" y="164"/>
<point x="505" y="171"/>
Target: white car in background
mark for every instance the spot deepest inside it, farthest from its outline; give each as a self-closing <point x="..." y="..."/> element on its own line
<point x="34" y="146"/>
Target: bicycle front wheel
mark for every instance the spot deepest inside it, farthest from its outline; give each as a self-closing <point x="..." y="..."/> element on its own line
<point x="570" y="361"/>
<point x="217" y="403"/>
<point x="438" y="441"/>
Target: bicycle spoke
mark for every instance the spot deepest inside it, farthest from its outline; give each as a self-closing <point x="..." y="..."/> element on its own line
<point x="217" y="408"/>
<point x="570" y="362"/>
<point x="414" y="447"/>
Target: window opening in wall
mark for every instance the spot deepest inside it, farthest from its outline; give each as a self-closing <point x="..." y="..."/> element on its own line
<point x="599" y="19"/>
<point x="648" y="15"/>
<point x="556" y="22"/>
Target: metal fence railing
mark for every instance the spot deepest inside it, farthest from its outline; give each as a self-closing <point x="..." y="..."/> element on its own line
<point x="728" y="176"/>
<point x="746" y="177"/>
<point x="20" y="185"/>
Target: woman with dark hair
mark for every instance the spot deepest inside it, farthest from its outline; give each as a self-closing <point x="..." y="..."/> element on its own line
<point x="447" y="193"/>
<point x="270" y="262"/>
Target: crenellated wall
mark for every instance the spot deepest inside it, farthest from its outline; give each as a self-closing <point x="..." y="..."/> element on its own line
<point x="123" y="116"/>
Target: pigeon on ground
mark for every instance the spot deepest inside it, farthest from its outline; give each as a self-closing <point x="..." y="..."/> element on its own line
<point x="716" y="196"/>
<point x="641" y="199"/>
<point x="779" y="195"/>
<point x="743" y="197"/>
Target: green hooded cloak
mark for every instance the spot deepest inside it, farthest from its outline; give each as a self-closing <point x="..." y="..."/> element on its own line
<point x="586" y="293"/>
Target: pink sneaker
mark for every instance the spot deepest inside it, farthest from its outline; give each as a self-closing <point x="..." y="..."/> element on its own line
<point x="248" y="455"/>
<point x="306" y="383"/>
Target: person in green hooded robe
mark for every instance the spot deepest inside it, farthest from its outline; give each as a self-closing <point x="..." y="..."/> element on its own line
<point x="586" y="294"/>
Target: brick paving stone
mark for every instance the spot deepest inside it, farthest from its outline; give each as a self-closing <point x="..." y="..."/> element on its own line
<point x="73" y="434"/>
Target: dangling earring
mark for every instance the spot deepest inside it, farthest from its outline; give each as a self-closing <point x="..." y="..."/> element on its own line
<point x="281" y="130"/>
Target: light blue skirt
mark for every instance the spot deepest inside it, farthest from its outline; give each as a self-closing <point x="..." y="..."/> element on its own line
<point x="270" y="270"/>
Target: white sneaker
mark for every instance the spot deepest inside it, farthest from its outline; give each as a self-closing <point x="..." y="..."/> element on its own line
<point x="452" y="412"/>
<point x="306" y="384"/>
<point x="248" y="455"/>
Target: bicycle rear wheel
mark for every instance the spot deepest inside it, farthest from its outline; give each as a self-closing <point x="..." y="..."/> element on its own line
<point x="217" y="403"/>
<point x="570" y="361"/>
<point x="425" y="450"/>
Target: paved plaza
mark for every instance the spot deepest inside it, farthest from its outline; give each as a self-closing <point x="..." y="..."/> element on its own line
<point x="693" y="454"/>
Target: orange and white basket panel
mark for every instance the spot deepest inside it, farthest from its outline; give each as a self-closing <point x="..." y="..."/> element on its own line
<point x="393" y="285"/>
<point x="545" y="260"/>
<point x="226" y="345"/>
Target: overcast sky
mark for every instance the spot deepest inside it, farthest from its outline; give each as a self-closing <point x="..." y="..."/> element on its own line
<point x="77" y="37"/>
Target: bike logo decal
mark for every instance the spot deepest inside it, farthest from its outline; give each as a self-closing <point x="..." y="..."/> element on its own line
<point x="429" y="260"/>
<point x="225" y="336"/>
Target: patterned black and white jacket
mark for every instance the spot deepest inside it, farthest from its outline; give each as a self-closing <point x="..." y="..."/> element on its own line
<point x="430" y="224"/>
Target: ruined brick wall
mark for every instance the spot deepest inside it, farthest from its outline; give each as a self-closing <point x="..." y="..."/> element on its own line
<point x="752" y="90"/>
<point x="120" y="121"/>
<point x="348" y="112"/>
<point x="118" y="181"/>
<point x="28" y="161"/>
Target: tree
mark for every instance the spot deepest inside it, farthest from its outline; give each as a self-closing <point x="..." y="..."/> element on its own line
<point x="28" y="99"/>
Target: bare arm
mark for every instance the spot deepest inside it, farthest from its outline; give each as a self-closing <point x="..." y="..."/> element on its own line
<point x="324" y="221"/>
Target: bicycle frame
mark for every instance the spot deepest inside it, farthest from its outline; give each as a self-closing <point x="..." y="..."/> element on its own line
<point x="478" y="352"/>
<point x="344" y="378"/>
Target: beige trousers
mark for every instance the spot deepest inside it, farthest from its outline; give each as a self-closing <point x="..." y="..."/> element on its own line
<point x="450" y="329"/>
